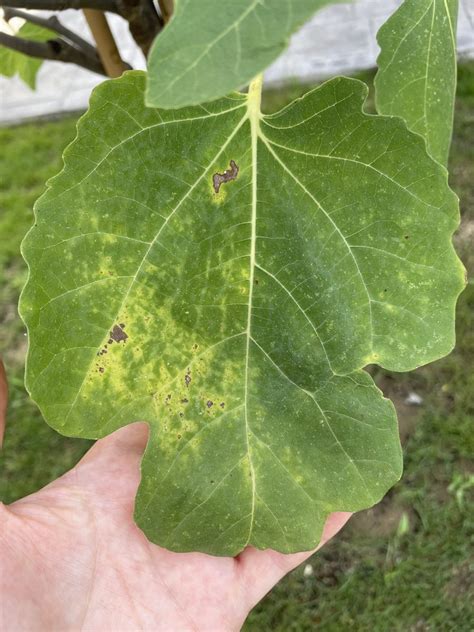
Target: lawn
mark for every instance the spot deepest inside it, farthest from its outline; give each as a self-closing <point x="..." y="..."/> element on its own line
<point x="403" y="565"/>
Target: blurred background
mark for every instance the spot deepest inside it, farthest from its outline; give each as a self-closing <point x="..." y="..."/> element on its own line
<point x="340" y="39"/>
<point x="406" y="564"/>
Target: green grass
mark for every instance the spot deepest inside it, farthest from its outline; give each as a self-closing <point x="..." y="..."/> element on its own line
<point x="33" y="454"/>
<point x="401" y="566"/>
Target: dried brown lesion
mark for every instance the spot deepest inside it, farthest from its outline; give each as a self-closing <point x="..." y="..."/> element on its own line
<point x="227" y="176"/>
<point x="117" y="334"/>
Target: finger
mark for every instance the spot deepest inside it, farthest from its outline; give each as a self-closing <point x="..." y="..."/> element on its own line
<point x="261" y="570"/>
<point x="3" y="400"/>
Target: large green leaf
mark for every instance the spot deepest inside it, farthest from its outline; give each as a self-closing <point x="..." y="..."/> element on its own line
<point x="236" y="322"/>
<point x="12" y="62"/>
<point x="417" y="70"/>
<point x="209" y="49"/>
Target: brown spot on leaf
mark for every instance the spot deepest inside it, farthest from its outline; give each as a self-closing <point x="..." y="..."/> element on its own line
<point x="101" y="369"/>
<point x="222" y="404"/>
<point x="209" y="403"/>
<point x="187" y="378"/>
<point x="184" y="400"/>
<point x="118" y="334"/>
<point x="229" y="174"/>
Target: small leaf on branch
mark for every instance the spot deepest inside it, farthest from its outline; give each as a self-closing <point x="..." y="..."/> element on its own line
<point x="16" y="63"/>
<point x="417" y="70"/>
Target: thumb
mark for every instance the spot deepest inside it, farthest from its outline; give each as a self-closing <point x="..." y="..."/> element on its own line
<point x="110" y="471"/>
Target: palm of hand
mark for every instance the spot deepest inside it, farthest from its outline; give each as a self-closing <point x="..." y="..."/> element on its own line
<point x="74" y="560"/>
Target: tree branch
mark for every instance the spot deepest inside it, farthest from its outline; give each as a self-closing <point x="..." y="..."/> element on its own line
<point x="60" y="5"/>
<point x="53" y="24"/>
<point x="54" y="49"/>
<point x="143" y="20"/>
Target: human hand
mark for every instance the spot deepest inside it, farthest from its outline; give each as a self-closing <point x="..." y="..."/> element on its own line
<point x="73" y="559"/>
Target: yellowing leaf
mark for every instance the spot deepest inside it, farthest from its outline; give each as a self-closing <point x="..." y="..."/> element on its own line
<point x="225" y="276"/>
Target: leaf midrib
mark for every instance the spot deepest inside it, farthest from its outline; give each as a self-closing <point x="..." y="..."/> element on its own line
<point x="253" y="113"/>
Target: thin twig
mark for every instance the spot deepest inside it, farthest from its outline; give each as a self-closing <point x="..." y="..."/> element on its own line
<point x="60" y="5"/>
<point x="106" y="45"/>
<point x="54" y="49"/>
<point x="53" y="24"/>
<point x="166" y="9"/>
